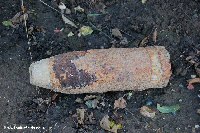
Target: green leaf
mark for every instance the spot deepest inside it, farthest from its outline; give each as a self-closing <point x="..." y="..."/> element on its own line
<point x="129" y="95"/>
<point x="113" y="124"/>
<point x="168" y="109"/>
<point x="92" y="103"/>
<point x="7" y="23"/>
<point x="85" y="30"/>
<point x="93" y="15"/>
<point x="110" y="125"/>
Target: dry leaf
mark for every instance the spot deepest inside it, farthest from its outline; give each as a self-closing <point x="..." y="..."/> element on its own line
<point x="116" y="33"/>
<point x="109" y="125"/>
<point x="58" y="30"/>
<point x="79" y="100"/>
<point x="155" y="33"/>
<point x="67" y="21"/>
<point x="53" y="98"/>
<point x="40" y="101"/>
<point x="198" y="71"/>
<point x="62" y="6"/>
<point x="67" y="11"/>
<point x="191" y="60"/>
<point x="91" y="118"/>
<point x="120" y="103"/>
<point x="144" y="1"/>
<point x="190" y="87"/>
<point x="144" y="42"/>
<point x="147" y="112"/>
<point x="16" y="18"/>
<point x="92" y="103"/>
<point x="195" y="80"/>
<point x="198" y="111"/>
<point x="79" y="9"/>
<point x="103" y="104"/>
<point x="80" y="115"/>
<point x="100" y="7"/>
<point x="30" y="30"/>
<point x="23" y="17"/>
<point x="89" y="97"/>
<point x="105" y="123"/>
<point x="70" y="34"/>
<point x="124" y="41"/>
<point x="192" y="81"/>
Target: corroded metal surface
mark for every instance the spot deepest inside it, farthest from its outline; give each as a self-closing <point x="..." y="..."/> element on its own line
<point x="115" y="69"/>
<point x="67" y="73"/>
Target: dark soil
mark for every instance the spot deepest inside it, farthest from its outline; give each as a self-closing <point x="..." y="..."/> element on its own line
<point x="177" y="23"/>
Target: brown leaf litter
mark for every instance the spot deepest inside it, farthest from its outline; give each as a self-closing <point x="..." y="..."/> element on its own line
<point x="120" y="103"/>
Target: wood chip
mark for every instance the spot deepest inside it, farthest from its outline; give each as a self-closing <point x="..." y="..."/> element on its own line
<point x="144" y="42"/>
<point x="147" y="112"/>
<point x="120" y="103"/>
<point x="194" y="80"/>
<point x="116" y="33"/>
<point x="155" y="33"/>
<point x="80" y="115"/>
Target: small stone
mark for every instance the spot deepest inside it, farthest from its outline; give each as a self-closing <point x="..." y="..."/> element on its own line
<point x="198" y="111"/>
<point x="193" y="76"/>
<point x="147" y="112"/>
<point x="70" y="34"/>
<point x="178" y="71"/>
<point x="181" y="85"/>
<point x="62" y="6"/>
<point x="79" y="100"/>
<point x="102" y="47"/>
<point x="184" y="72"/>
<point x="116" y="33"/>
<point x="196" y="126"/>
<point x="49" y="52"/>
<point x="124" y="41"/>
<point x="68" y="11"/>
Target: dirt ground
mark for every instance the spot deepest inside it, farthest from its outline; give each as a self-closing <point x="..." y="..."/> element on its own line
<point x="177" y="23"/>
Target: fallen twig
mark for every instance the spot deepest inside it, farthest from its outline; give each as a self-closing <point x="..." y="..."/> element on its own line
<point x="93" y="26"/>
<point x="50" y="6"/>
<point x="26" y="28"/>
<point x="65" y="19"/>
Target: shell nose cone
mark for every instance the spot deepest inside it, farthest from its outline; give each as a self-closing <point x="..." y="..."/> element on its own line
<point x="40" y="73"/>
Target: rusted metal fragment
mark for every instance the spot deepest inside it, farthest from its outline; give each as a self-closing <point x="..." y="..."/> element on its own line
<point x="115" y="69"/>
<point x="66" y="73"/>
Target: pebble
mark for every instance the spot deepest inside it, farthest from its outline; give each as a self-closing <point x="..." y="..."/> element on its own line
<point x="193" y="76"/>
<point x="184" y="72"/>
<point x="149" y="102"/>
<point x="67" y="11"/>
<point x="196" y="126"/>
<point x="181" y="85"/>
<point x="49" y="52"/>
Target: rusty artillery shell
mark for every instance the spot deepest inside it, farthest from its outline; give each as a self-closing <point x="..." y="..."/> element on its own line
<point x="102" y="70"/>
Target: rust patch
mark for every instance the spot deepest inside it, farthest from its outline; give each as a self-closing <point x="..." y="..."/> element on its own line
<point x="67" y="73"/>
<point x="54" y="81"/>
